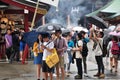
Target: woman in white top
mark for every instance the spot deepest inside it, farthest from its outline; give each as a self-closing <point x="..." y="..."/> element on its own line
<point x="78" y="56"/>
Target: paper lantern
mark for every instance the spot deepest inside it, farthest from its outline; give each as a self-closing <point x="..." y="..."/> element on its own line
<point x="4" y="20"/>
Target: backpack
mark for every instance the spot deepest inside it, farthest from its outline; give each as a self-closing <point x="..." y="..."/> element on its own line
<point x="115" y="48"/>
<point x="84" y="49"/>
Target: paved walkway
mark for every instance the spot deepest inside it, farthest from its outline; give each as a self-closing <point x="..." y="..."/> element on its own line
<point x="17" y="71"/>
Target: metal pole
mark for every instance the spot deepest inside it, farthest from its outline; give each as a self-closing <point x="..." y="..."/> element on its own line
<point x="32" y="24"/>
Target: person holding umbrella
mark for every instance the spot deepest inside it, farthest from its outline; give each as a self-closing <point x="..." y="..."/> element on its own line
<point x="47" y="47"/>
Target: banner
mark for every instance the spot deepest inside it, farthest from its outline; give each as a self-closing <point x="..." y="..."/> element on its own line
<point x="51" y="2"/>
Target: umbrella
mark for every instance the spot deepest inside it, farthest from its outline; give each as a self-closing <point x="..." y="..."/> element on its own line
<point x="77" y="28"/>
<point x="49" y="27"/>
<point x="64" y="31"/>
<point x="118" y="34"/>
<point x="31" y="37"/>
<point x="99" y="22"/>
<point x="113" y="33"/>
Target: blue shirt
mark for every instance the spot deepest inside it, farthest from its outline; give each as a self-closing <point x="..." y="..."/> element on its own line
<point x="70" y="43"/>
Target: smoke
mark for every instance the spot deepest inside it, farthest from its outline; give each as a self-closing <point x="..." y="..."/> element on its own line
<point x="66" y="7"/>
<point x="75" y="8"/>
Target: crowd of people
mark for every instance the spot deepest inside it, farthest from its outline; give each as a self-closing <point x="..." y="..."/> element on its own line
<point x="74" y="47"/>
<point x="70" y="48"/>
<point x="12" y="45"/>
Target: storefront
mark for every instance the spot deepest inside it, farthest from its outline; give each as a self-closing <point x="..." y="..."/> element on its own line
<point x="18" y="14"/>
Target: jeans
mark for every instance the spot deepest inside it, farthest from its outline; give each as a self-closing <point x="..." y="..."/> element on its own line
<point x="79" y="66"/>
<point x="70" y="59"/>
<point x="100" y="65"/>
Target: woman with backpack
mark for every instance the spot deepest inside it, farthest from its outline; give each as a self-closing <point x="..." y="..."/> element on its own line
<point x="113" y="53"/>
<point x="78" y="56"/>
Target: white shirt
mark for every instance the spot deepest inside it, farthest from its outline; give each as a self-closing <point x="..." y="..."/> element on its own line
<point x="78" y="53"/>
<point x="46" y="52"/>
<point x="98" y="51"/>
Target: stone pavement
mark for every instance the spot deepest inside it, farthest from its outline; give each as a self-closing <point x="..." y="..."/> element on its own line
<point x="17" y="71"/>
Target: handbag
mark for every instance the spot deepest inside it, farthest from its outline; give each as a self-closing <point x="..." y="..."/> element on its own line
<point x="52" y="59"/>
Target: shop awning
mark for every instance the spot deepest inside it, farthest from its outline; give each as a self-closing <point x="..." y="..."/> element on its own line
<point x="29" y="5"/>
<point x="95" y="13"/>
<point x="114" y="7"/>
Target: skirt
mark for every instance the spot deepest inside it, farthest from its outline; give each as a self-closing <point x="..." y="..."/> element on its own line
<point x="38" y="59"/>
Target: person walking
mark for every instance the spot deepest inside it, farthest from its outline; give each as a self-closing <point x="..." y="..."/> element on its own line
<point x="21" y="46"/>
<point x="8" y="39"/>
<point x="114" y="52"/>
<point x="98" y="52"/>
<point x="38" y="54"/>
<point x="78" y="56"/>
<point x="61" y="47"/>
<point x="15" y="41"/>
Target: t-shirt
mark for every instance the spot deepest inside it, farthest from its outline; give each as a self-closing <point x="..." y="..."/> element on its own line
<point x="70" y="44"/>
<point x="78" y="53"/>
<point x="46" y="52"/>
<point x="98" y="51"/>
<point x="9" y="39"/>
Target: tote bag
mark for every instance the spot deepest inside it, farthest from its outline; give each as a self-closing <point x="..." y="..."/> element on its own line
<point x="52" y="59"/>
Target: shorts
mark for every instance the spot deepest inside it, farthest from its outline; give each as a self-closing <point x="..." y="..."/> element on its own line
<point x="61" y="61"/>
<point x="45" y="67"/>
<point x="115" y="56"/>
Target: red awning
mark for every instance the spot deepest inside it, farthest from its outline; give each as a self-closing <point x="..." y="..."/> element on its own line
<point x="27" y="5"/>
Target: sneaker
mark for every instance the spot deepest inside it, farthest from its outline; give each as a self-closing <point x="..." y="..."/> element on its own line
<point x="96" y="75"/>
<point x="78" y="77"/>
<point x="85" y="74"/>
<point x="67" y="74"/>
<point x="7" y="60"/>
<point x="54" y="75"/>
<point x="116" y="71"/>
<point x="102" y="76"/>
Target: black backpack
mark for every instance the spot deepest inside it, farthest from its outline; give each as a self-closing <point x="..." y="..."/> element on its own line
<point x="84" y="49"/>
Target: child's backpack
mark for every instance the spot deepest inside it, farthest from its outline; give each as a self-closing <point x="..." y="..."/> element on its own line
<point x="115" y="48"/>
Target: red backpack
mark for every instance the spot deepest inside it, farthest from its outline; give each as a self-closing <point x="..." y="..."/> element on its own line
<point x="115" y="48"/>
